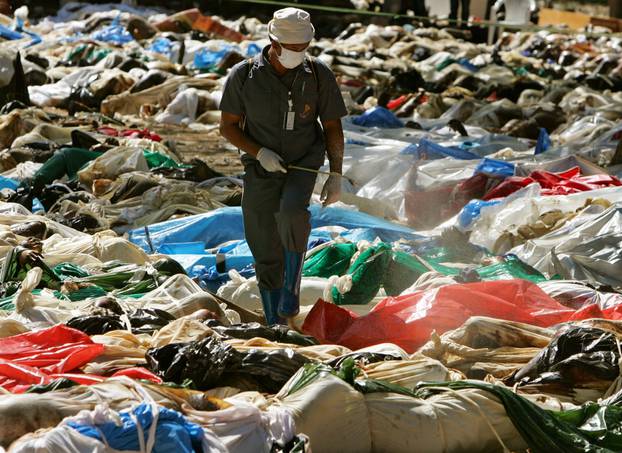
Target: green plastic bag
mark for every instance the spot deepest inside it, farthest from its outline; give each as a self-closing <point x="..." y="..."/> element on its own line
<point x="402" y="271"/>
<point x="436" y="256"/>
<point x="509" y="268"/>
<point x="96" y="55"/>
<point x="82" y="293"/>
<point x="64" y="162"/>
<point x="157" y="160"/>
<point x="13" y="271"/>
<point x="332" y="260"/>
<point x="69" y="270"/>
<point x="368" y="273"/>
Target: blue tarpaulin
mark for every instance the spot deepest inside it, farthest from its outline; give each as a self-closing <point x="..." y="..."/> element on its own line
<point x="222" y="231"/>
<point x="225" y="224"/>
<point x="209" y="58"/>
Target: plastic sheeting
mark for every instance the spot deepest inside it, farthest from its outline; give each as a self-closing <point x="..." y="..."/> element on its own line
<point x="525" y="207"/>
<point x="564" y="183"/>
<point x="38" y="357"/>
<point x="589" y="248"/>
<point x="146" y="427"/>
<point x="409" y="320"/>
<point x="222" y="225"/>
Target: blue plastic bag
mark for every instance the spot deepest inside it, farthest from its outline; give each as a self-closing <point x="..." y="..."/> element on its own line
<point x="495" y="167"/>
<point x="114" y="33"/>
<point x="464" y="62"/>
<point x="36" y="39"/>
<point x="211" y="280"/>
<point x="162" y="46"/>
<point x="9" y="34"/>
<point x="37" y="206"/>
<point x="378" y="117"/>
<point x="472" y="210"/>
<point x="8" y="183"/>
<point x="19" y="27"/>
<point x="426" y="149"/>
<point x="173" y="432"/>
<point x="252" y="50"/>
<point x="207" y="59"/>
<point x="543" y="143"/>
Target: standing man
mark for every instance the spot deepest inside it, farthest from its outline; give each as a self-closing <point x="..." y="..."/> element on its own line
<point x="270" y="110"/>
<point x="464" y="13"/>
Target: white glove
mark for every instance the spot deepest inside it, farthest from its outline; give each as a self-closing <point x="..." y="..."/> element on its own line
<point x="331" y="192"/>
<point x="270" y="160"/>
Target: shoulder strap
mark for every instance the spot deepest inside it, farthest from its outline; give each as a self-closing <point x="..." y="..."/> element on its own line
<point x="250" y="62"/>
<point x="249" y="67"/>
<point x="312" y="64"/>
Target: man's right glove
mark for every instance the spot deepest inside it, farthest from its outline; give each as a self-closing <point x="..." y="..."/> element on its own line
<point x="270" y="160"/>
<point x="331" y="192"/>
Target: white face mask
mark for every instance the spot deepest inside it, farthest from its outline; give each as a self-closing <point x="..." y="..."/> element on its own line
<point x="290" y="59"/>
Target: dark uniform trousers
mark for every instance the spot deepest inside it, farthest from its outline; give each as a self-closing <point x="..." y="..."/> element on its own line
<point x="275" y="209"/>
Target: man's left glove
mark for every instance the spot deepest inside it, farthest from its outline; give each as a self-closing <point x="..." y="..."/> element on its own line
<point x="331" y="191"/>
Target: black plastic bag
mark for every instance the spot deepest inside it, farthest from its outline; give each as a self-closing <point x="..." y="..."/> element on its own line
<point x="148" y="320"/>
<point x="143" y="320"/>
<point x="56" y="384"/>
<point x="168" y="266"/>
<point x="272" y="369"/>
<point x="17" y="88"/>
<point x="577" y="355"/>
<point x="203" y="362"/>
<point x="22" y="196"/>
<point x="278" y="333"/>
<point x="299" y="444"/>
<point x="210" y="363"/>
<point x="96" y="324"/>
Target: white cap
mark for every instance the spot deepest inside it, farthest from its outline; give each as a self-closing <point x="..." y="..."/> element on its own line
<point x="291" y="26"/>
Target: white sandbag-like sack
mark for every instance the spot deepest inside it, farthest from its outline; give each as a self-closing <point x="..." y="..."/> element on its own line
<point x="337" y="418"/>
<point x="469" y="420"/>
<point x="332" y="414"/>
<point x="62" y="438"/>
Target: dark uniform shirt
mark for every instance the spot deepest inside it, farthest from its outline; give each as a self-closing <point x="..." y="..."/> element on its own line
<point x="261" y="95"/>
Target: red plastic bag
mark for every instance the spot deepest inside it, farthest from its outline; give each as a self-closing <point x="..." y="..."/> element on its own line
<point x="139" y="373"/>
<point x="36" y="357"/>
<point x="409" y="320"/>
<point x="397" y="103"/>
<point x="565" y="183"/>
<point x="132" y="133"/>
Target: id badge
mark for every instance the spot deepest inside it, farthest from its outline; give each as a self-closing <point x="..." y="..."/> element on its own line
<point x="289" y="121"/>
